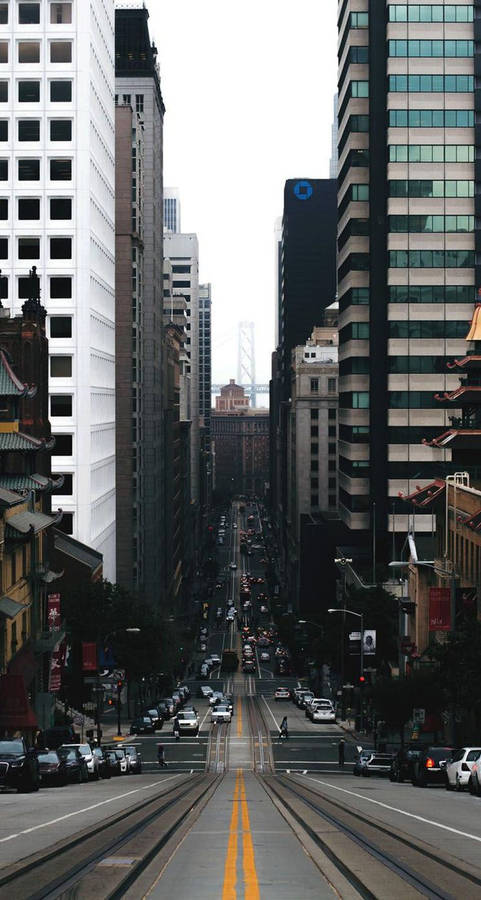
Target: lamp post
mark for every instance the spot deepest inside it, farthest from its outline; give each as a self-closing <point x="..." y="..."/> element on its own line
<point x="133" y="630"/>
<point x="343" y="562"/>
<point x="360" y="616"/>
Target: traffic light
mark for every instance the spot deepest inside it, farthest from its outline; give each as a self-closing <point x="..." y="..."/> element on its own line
<point x="110" y="701"/>
<point x="362" y="679"/>
<point x="120" y="685"/>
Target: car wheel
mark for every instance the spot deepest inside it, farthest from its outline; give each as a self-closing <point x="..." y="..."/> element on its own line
<point x="458" y="786"/>
<point x="471" y="785"/>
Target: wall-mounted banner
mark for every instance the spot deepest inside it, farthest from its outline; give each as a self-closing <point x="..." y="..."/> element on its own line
<point x="89" y="657"/>
<point x="439" y="609"/>
<point x="53" y="612"/>
<point x="369" y="643"/>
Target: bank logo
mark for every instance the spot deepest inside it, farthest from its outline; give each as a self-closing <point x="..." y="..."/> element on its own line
<point x="303" y="190"/>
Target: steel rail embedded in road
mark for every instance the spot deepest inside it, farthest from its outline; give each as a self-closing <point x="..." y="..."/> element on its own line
<point x="260" y="735"/>
<point x="49" y="874"/>
<point x="414" y="863"/>
<point x="217" y="749"/>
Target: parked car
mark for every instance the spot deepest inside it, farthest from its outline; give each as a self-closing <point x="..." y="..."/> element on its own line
<point x="135" y="759"/>
<point x="91" y="763"/>
<point x="304" y="698"/>
<point x="52" y="769"/>
<point x="170" y="705"/>
<point x="19" y="766"/>
<point x="163" y="710"/>
<point x="123" y="761"/>
<point x="113" y="763"/>
<point x="376" y="764"/>
<point x="205" y="691"/>
<point x="361" y="761"/>
<point x="430" y="767"/>
<point x="102" y="765"/>
<point x="220" y="714"/>
<point x="156" y="716"/>
<point x="474" y="783"/>
<point x="142" y="725"/>
<point x="310" y="703"/>
<point x="403" y="763"/>
<point x="282" y="693"/>
<point x="188" y="722"/>
<point x="74" y="763"/>
<point x="322" y="712"/>
<point x="458" y="768"/>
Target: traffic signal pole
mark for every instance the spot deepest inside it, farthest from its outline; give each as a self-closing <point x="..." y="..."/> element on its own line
<point x="119" y="690"/>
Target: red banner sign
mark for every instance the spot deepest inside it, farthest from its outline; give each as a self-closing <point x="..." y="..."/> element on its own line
<point x="439" y="609"/>
<point x="89" y="657"/>
<point x="57" y="664"/>
<point x="53" y="612"/>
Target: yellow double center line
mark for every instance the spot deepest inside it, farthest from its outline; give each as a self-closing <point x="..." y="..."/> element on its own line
<point x="251" y="884"/>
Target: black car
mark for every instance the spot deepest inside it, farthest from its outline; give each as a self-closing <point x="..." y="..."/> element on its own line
<point x="156" y="716"/>
<point x="52" y="768"/>
<point x="102" y="765"/>
<point x="113" y="764"/>
<point x="403" y="763"/>
<point x="163" y="710"/>
<point x="74" y="764"/>
<point x="142" y="725"/>
<point x="430" y="767"/>
<point x="135" y="759"/>
<point x="19" y="766"/>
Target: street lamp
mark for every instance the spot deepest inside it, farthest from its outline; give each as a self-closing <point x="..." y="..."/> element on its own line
<point x="133" y="630"/>
<point x="360" y="616"/>
<point x="309" y="622"/>
<point x="343" y="562"/>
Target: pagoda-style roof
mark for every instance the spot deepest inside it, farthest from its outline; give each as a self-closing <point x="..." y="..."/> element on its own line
<point x="472" y="361"/>
<point x="466" y="393"/>
<point x="462" y="438"/>
<point x="23" y="523"/>
<point x="16" y="440"/>
<point x="423" y="497"/>
<point x="10" y="385"/>
<point x="33" y="482"/>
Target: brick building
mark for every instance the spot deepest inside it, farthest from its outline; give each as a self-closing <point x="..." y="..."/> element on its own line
<point x="240" y="438"/>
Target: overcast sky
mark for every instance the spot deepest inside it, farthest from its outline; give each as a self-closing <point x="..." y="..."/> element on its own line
<point x="248" y="88"/>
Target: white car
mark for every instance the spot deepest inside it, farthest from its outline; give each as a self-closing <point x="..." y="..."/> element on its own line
<point x="322" y="712"/>
<point x="220" y="714"/>
<point x="215" y="698"/>
<point x="206" y="691"/>
<point x="282" y="693"/>
<point x="92" y="763"/>
<point x="233" y="566"/>
<point x="234" y="525"/>
<point x="188" y="722"/>
<point x="215" y="659"/>
<point x="458" y="768"/>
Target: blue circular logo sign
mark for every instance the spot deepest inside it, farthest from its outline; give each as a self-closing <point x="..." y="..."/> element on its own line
<point x="303" y="190"/>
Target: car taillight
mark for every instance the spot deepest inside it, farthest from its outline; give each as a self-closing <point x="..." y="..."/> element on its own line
<point x="430" y="763"/>
<point x="465" y="767"/>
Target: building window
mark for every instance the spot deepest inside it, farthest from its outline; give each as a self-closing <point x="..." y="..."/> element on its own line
<point x="314" y="499"/>
<point x="431" y="118"/>
<point x="314" y="430"/>
<point x="29" y="248"/>
<point x="314" y="483"/>
<point x="3" y="248"/>
<point x="3" y="51"/>
<point x="29" y="130"/>
<point x="29" y="170"/>
<point x="61" y="130"/>
<point x="63" y="445"/>
<point x="28" y="91"/>
<point x="332" y="431"/>
<point x="60" y="170"/>
<point x="314" y="385"/>
<point x="314" y="449"/>
<point x="29" y="13"/>
<point x="332" y="500"/>
<point x="60" y="248"/>
<point x="61" y="288"/>
<point x="139" y="103"/>
<point x="3" y="91"/>
<point x="60" y="13"/>
<point x="3" y="169"/>
<point x="331" y="385"/>
<point x="3" y="208"/>
<point x="314" y="413"/>
<point x="331" y="466"/>
<point x="60" y="366"/>
<point x="61" y="91"/>
<point x="29" y="52"/>
<point x="66" y="525"/>
<point x="24" y="286"/>
<point x="61" y="327"/>
<point x="3" y="13"/>
<point x="60" y="208"/>
<point x="61" y="405"/>
<point x="314" y="465"/>
<point x="332" y="448"/>
<point x="3" y="130"/>
<point x="61" y="52"/>
<point x="332" y="414"/>
<point x="29" y="208"/>
<point x="331" y="483"/>
<point x="360" y="399"/>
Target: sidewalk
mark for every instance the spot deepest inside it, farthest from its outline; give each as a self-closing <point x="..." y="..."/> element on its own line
<point x="356" y="737"/>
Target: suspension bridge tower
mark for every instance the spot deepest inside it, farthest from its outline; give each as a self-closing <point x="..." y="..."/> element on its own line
<point x="246" y="359"/>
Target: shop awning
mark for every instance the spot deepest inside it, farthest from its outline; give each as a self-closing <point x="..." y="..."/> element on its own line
<point x="11" y="608"/>
<point x="15" y="710"/>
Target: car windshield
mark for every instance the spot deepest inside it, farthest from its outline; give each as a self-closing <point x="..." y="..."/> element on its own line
<point x="47" y="757"/>
<point x="438" y="753"/>
<point x="222" y="709"/>
<point x="85" y="750"/>
<point x="472" y="755"/>
<point x="11" y="747"/>
<point x="324" y="705"/>
<point x="66" y="754"/>
<point x="119" y="754"/>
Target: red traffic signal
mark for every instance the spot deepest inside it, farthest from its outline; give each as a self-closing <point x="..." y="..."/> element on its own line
<point x="110" y="702"/>
<point x="119" y="685"/>
<point x="362" y="679"/>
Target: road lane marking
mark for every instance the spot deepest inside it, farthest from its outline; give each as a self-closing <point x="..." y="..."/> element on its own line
<point x="402" y="812"/>
<point x="272" y="714"/>
<point x="79" y="812"/>
<point x="230" y="868"/>
<point x="251" y="884"/>
<point x="239" y="717"/>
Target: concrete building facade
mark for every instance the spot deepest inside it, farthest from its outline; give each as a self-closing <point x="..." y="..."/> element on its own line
<point x="172" y="220"/>
<point x="57" y="170"/>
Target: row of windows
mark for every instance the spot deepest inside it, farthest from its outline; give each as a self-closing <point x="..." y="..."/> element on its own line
<point x="417" y="187"/>
<point x="29" y="13"/>
<point x="430" y="224"/>
<point x="359" y="20"/>
<point x="419" y="328"/>
<point x="359" y="89"/>
<point x="412" y="400"/>
<point x="431" y="153"/>
<point x="28" y="52"/>
<point x="451" y="12"/>
<point x="29" y="129"/>
<point x="29" y="169"/>
<point x="29" y="248"/>
<point x="431" y="48"/>
<point x="431" y="259"/>
<point x="28" y="208"/>
<point x="431" y="293"/>
<point x="359" y="192"/>
<point x="449" y="84"/>
<point x="354" y="365"/>
<point x="354" y="502"/>
<point x="354" y="434"/>
<point x="29" y="91"/>
<point x="431" y="118"/>
<point x="355" y="55"/>
<point x="354" y="124"/>
<point x="358" y="331"/>
<point x="417" y="365"/>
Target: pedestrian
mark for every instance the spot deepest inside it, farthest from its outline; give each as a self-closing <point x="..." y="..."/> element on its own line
<point x="176" y="728"/>
<point x="161" y="755"/>
<point x="284" y="733"/>
<point x="340" y="752"/>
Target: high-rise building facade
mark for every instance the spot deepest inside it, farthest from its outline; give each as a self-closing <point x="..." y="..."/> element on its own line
<point x="407" y="245"/>
<point x="183" y="252"/>
<point x="57" y="207"/>
<point x="205" y="355"/>
<point x="137" y="86"/>
<point x="172" y="209"/>
<point x="334" y="139"/>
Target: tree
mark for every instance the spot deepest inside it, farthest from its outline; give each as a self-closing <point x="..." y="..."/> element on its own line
<point x="394" y="699"/>
<point x="459" y="673"/>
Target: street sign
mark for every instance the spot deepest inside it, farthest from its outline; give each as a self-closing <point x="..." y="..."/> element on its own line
<point x="419" y="716"/>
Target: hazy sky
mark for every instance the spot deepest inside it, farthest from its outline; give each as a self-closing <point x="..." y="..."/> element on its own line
<point x="248" y="88"/>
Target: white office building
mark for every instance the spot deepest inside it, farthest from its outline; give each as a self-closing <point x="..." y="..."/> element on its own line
<point x="57" y="146"/>
<point x="183" y="252"/>
<point x="171" y="209"/>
